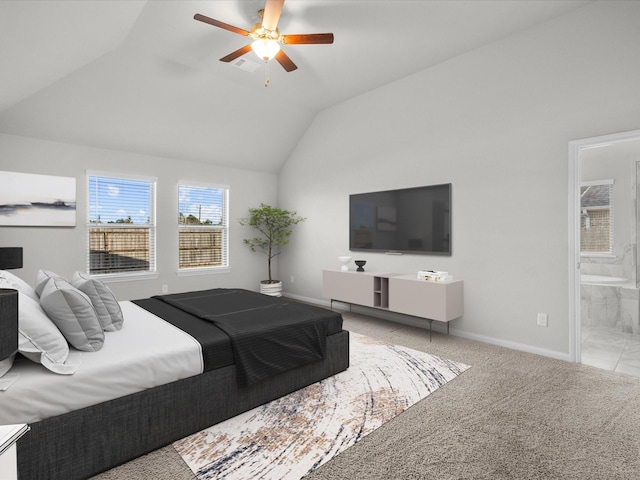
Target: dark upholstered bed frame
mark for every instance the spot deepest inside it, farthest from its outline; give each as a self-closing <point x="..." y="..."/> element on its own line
<point x="83" y="443"/>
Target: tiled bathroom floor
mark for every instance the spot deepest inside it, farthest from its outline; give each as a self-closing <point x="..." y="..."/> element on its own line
<point x="611" y="349"/>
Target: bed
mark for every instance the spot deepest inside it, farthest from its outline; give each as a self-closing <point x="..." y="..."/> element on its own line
<point x="179" y="364"/>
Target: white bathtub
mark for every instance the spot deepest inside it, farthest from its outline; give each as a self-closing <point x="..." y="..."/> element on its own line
<point x="587" y="279"/>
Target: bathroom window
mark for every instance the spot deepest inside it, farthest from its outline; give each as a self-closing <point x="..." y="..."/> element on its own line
<point x="596" y="217"/>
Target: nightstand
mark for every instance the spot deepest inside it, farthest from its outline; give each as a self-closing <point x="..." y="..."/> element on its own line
<point x="9" y="435"/>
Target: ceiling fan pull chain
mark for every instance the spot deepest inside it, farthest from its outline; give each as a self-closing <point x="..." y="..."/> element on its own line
<point x="266" y="74"/>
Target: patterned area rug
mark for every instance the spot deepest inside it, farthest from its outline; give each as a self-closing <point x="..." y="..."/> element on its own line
<point x="291" y="436"/>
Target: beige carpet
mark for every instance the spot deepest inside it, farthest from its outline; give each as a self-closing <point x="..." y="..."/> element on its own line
<point x="512" y="415"/>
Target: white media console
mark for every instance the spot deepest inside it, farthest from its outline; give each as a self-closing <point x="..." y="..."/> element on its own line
<point x="406" y="294"/>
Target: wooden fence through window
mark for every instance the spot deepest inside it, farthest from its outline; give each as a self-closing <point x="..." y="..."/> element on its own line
<point x="115" y="250"/>
<point x="200" y="248"/>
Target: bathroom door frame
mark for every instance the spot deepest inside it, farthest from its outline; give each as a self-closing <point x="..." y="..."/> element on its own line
<point x="576" y="147"/>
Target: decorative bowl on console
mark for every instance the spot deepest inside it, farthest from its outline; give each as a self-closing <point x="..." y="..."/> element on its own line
<point x="360" y="264"/>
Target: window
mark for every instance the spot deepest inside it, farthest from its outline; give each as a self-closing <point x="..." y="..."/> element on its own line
<point x="121" y="224"/>
<point x="203" y="230"/>
<point x="596" y="217"/>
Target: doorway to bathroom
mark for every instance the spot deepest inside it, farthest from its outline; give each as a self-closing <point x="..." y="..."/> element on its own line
<point x="603" y="270"/>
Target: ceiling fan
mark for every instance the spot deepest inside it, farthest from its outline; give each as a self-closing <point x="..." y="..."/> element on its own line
<point x="266" y="36"/>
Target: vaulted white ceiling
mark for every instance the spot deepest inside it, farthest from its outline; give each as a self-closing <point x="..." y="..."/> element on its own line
<point x="144" y="76"/>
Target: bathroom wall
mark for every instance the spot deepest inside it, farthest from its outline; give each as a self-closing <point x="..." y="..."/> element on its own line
<point x="610" y="306"/>
<point x="615" y="306"/>
<point x="617" y="162"/>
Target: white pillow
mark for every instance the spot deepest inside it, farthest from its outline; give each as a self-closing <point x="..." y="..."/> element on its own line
<point x="11" y="281"/>
<point x="40" y="340"/>
<point x="6" y="364"/>
<point x="73" y="313"/>
<point x="103" y="300"/>
<point x="42" y="277"/>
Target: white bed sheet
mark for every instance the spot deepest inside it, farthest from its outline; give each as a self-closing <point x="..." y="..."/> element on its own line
<point x="147" y="352"/>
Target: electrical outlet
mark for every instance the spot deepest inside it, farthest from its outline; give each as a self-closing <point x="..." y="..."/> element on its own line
<point x="292" y="279"/>
<point x="543" y="319"/>
<point x="165" y="288"/>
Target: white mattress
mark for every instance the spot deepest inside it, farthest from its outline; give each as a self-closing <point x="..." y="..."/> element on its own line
<point x="147" y="352"/>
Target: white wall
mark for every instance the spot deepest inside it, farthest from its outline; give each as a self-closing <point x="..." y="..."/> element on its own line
<point x="496" y="123"/>
<point x="63" y="250"/>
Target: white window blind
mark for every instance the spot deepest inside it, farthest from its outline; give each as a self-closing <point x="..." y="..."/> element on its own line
<point x="121" y="224"/>
<point x="596" y="217"/>
<point x="203" y="230"/>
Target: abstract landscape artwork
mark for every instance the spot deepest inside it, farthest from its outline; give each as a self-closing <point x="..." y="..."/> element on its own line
<point x="28" y="199"/>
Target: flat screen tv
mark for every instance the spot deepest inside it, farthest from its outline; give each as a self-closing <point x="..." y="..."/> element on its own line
<point x="408" y="220"/>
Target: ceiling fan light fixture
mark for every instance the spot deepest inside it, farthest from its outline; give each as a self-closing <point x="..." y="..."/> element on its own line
<point x="265" y="48"/>
<point x="266" y="38"/>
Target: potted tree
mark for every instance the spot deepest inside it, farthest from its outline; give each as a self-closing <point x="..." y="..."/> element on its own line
<point x="274" y="225"/>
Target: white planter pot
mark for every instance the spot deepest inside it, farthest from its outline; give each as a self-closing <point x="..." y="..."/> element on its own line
<point x="273" y="289"/>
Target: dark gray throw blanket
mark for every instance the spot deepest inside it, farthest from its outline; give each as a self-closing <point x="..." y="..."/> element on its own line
<point x="268" y="334"/>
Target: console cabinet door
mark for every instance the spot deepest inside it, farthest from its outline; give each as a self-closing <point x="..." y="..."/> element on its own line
<point x="437" y="301"/>
<point x="350" y="287"/>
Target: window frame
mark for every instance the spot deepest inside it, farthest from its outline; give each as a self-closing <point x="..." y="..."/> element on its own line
<point x="152" y="226"/>
<point x="224" y="228"/>
<point x="610" y="208"/>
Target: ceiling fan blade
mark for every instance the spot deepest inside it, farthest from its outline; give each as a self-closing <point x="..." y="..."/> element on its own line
<point x="307" y="38"/>
<point x="284" y="60"/>
<point x="271" y="15"/>
<point x="218" y="23"/>
<point x="236" y="54"/>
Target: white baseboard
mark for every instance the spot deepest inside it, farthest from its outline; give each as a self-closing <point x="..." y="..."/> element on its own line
<point x="438" y="327"/>
<point x="512" y="345"/>
<point x="315" y="301"/>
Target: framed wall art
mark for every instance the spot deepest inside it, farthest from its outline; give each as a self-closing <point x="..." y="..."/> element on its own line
<point x="28" y="199"/>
